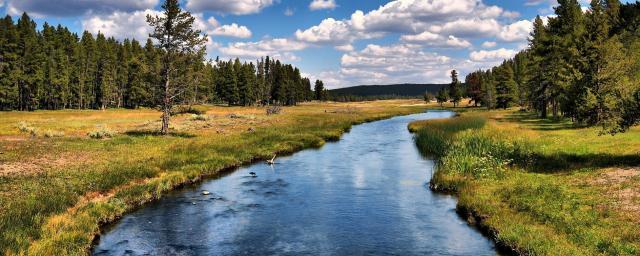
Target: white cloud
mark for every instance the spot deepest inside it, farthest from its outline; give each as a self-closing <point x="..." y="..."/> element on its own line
<point x="469" y="27"/>
<point x="511" y="14"/>
<point x="233" y="30"/>
<point x="279" y="48"/>
<point x="1" y="3"/>
<point x="237" y="7"/>
<point x="378" y="64"/>
<point x="518" y="31"/>
<point x="411" y="17"/>
<point x="121" y="24"/>
<point x="331" y="31"/>
<point x="492" y="56"/>
<point x="345" y="48"/>
<point x="43" y="8"/>
<point x="489" y="44"/>
<point x="435" y="40"/>
<point x="322" y="4"/>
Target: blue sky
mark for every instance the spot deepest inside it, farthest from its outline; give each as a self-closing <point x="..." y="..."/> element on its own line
<point x="343" y="42"/>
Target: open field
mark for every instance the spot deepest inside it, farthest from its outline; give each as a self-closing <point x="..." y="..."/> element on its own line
<point x="57" y="185"/>
<point x="540" y="187"/>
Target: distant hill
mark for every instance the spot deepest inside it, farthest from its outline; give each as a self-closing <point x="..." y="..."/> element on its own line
<point x="404" y="90"/>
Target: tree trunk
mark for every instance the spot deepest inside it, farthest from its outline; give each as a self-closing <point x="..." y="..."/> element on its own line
<point x="166" y="107"/>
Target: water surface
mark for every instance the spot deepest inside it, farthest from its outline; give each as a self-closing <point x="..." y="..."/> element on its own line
<point x="364" y="195"/>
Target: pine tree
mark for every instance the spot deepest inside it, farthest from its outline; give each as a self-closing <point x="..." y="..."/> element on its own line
<point x="443" y="96"/>
<point x="455" y="89"/>
<point x="474" y="88"/>
<point x="178" y="40"/>
<point x="319" y="90"/>
<point x="505" y="86"/>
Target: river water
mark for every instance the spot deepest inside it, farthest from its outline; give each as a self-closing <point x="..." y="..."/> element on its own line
<point x="366" y="194"/>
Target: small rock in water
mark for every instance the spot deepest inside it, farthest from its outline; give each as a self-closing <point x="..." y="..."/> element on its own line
<point x="194" y="203"/>
<point x="205" y="192"/>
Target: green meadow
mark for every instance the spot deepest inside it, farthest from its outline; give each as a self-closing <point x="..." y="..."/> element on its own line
<point x="539" y="186"/>
<point x="57" y="191"/>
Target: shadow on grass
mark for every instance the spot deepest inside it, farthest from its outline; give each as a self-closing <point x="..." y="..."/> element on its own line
<point x="536" y="123"/>
<point x="564" y="162"/>
<point x="142" y="133"/>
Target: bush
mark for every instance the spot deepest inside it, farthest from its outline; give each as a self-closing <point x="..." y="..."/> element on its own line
<point x="101" y="133"/>
<point x="274" y="110"/>
<point x="26" y="128"/>
<point x="53" y="134"/>
<point x="197" y="117"/>
<point x="196" y="110"/>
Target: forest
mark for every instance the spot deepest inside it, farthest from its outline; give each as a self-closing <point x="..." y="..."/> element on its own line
<point x="582" y="65"/>
<point x="54" y="68"/>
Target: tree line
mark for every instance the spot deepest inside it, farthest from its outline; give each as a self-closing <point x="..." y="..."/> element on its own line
<point x="583" y="65"/>
<point x="53" y="68"/>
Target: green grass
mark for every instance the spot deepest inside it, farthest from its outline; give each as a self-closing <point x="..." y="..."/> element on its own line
<point x="68" y="187"/>
<point x="536" y="185"/>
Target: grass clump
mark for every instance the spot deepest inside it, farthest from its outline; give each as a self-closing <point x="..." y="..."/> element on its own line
<point x="433" y="136"/>
<point x="199" y="117"/>
<point x="102" y="132"/>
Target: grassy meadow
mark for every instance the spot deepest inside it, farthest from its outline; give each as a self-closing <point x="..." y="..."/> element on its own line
<point x="65" y="173"/>
<point x="539" y="186"/>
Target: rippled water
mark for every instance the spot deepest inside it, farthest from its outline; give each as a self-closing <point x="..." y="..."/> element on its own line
<point x="364" y="195"/>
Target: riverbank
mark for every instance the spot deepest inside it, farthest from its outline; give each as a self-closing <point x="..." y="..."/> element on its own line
<point x="56" y="191"/>
<point x="537" y="186"/>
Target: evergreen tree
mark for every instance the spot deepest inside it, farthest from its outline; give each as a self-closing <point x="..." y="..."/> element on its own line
<point x="455" y="89"/>
<point x="319" y="90"/>
<point x="179" y="41"/>
<point x="505" y="86"/>
<point x="474" y="88"/>
<point x="443" y="96"/>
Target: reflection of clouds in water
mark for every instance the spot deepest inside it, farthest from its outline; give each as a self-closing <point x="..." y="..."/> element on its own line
<point x="361" y="195"/>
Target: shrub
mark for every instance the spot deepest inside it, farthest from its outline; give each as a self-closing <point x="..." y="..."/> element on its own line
<point x="24" y="127"/>
<point x="197" y="117"/>
<point x="101" y="133"/>
<point x="274" y="110"/>
<point x="196" y="110"/>
<point x="53" y="134"/>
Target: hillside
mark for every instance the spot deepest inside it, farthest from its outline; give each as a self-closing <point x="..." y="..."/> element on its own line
<point x="392" y="89"/>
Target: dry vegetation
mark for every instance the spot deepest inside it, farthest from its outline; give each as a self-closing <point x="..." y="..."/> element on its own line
<point x="56" y="191"/>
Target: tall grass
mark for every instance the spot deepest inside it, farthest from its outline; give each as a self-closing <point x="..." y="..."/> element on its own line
<point x="434" y="136"/>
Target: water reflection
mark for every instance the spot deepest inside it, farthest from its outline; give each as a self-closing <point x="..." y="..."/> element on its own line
<point x="364" y="195"/>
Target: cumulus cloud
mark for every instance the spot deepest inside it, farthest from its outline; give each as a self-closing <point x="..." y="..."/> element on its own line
<point x="121" y="24"/>
<point x="469" y="27"/>
<point x="435" y="40"/>
<point x="279" y="48"/>
<point x="492" y="56"/>
<point x="237" y="7"/>
<point x="411" y="17"/>
<point x="489" y="44"/>
<point x="518" y="31"/>
<point x="322" y="4"/>
<point x="333" y="32"/>
<point x="233" y="30"/>
<point x="396" y="63"/>
<point x="60" y="8"/>
<point x="345" y="48"/>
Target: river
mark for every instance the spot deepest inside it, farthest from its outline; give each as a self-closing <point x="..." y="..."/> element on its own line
<point x="366" y="194"/>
